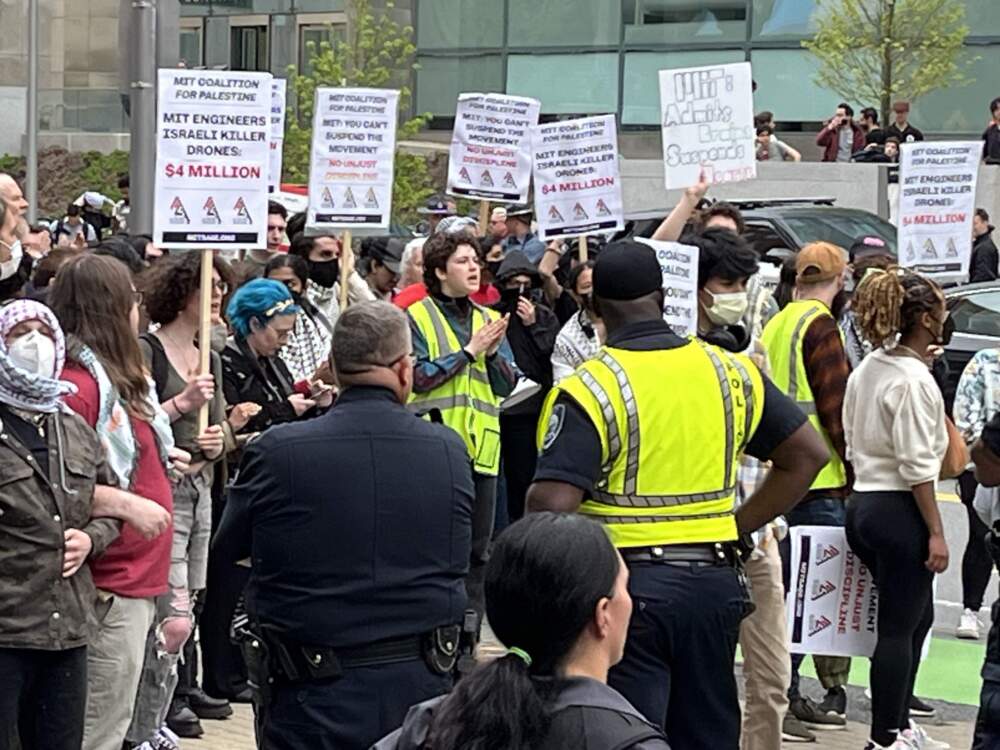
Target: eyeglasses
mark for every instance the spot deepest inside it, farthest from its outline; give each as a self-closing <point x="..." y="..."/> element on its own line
<point x="221" y="286"/>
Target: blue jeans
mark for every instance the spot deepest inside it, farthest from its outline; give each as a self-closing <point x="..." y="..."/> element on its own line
<point x="818" y="511"/>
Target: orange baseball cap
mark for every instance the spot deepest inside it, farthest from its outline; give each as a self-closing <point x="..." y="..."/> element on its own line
<point x="819" y="261"/>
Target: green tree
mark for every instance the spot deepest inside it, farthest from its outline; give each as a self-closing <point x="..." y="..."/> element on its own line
<point x="376" y="52"/>
<point x="881" y="50"/>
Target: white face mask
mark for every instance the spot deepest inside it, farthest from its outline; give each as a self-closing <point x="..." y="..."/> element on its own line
<point x="9" y="267"/>
<point x="726" y="309"/>
<point x="35" y="353"/>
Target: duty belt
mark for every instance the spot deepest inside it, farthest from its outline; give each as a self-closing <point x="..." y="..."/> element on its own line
<point x="297" y="662"/>
<point x="684" y="554"/>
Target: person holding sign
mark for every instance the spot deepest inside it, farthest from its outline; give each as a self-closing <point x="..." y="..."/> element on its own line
<point x="464" y="368"/>
<point x="806" y="350"/>
<point x="897" y="435"/>
<point x="666" y="493"/>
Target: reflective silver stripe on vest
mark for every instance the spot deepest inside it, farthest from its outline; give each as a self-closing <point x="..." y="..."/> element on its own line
<point x="659" y="501"/>
<point x="808" y="407"/>
<point x="747" y="398"/>
<point x="614" y="440"/>
<point x="793" y="369"/>
<point x="727" y="405"/>
<point x="438" y="323"/>
<point x="653" y="519"/>
<point x="632" y="421"/>
<point x="454" y="402"/>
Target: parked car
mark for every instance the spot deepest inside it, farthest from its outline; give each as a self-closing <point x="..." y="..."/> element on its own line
<point x="975" y="310"/>
<point x="778" y="228"/>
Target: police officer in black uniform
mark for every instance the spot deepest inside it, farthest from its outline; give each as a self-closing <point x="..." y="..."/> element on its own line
<point x="358" y="528"/>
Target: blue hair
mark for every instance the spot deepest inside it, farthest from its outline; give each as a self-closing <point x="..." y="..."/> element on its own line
<point x="254" y="300"/>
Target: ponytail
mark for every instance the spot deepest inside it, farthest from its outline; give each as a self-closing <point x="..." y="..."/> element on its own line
<point x="887" y="303"/>
<point x="498" y="706"/>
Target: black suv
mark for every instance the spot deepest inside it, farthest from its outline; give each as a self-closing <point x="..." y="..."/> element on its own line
<point x="780" y="227"/>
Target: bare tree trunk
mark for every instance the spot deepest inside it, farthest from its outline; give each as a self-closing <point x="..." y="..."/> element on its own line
<point x="888" y="11"/>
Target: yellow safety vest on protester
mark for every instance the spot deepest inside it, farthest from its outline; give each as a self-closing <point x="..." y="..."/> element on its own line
<point x="783" y="339"/>
<point x="466" y="403"/>
<point x="673" y="425"/>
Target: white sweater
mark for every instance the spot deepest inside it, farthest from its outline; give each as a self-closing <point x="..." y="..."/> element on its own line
<point x="893" y="423"/>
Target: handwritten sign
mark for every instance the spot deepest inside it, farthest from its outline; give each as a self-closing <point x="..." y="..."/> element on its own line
<point x="354" y="144"/>
<point x="937" y="199"/>
<point x="491" y="147"/>
<point x="278" y="87"/>
<point x="577" y="186"/>
<point x="679" y="264"/>
<point x="707" y="124"/>
<point x="212" y="159"/>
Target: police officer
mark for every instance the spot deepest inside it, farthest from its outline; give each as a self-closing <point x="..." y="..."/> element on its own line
<point x="646" y="438"/>
<point x="358" y="528"/>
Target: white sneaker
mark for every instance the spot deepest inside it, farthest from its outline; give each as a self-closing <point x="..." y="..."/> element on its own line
<point x="921" y="740"/>
<point x="901" y="743"/>
<point x="968" y="626"/>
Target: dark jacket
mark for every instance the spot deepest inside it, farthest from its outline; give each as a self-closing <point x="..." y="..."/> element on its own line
<point x="40" y="609"/>
<point x="532" y="345"/>
<point x="991" y="144"/>
<point x="606" y="717"/>
<point x="983" y="264"/>
<point x="259" y="380"/>
<point x="830" y="140"/>
<point x="358" y="524"/>
<point x="908" y="135"/>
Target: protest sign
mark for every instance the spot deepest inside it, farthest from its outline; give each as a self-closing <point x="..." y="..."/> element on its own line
<point x="679" y="264"/>
<point x="278" y="99"/>
<point x="353" y="147"/>
<point x="212" y="159"/>
<point x="491" y="147"/>
<point x="832" y="607"/>
<point x="937" y="199"/>
<point x="707" y="124"/>
<point x="577" y="186"/>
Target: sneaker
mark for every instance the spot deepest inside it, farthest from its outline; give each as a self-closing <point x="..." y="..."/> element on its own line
<point x="901" y="743"/>
<point x="968" y="626"/>
<point x="806" y="711"/>
<point x="793" y="730"/>
<point x="835" y="702"/>
<point x="921" y="740"/>
<point x="921" y="708"/>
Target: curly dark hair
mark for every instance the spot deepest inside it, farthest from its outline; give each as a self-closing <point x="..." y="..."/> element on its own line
<point x="438" y="248"/>
<point x="169" y="284"/>
<point x="728" y="210"/>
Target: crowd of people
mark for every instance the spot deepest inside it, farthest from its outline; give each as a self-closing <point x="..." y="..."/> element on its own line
<point x="144" y="498"/>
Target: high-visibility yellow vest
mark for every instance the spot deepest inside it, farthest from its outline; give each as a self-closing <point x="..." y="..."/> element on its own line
<point x="783" y="337"/>
<point x="673" y="424"/>
<point x="466" y="403"/>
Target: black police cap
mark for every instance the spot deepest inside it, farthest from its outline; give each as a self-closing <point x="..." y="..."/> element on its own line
<point x="626" y="270"/>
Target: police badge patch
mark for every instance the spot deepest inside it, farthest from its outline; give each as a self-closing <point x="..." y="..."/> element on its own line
<point x="554" y="426"/>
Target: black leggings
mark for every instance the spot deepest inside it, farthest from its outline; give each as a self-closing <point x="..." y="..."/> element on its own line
<point x="977" y="565"/>
<point x="886" y="530"/>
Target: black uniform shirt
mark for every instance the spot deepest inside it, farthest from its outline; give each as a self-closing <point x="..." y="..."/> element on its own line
<point x="906" y="135"/>
<point x="572" y="450"/>
<point x="357" y="523"/>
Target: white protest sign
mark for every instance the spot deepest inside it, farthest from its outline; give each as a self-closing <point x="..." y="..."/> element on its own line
<point x="353" y="147"/>
<point x="490" y="154"/>
<point x="832" y="605"/>
<point x="937" y="199"/>
<point x="706" y="115"/>
<point x="212" y="159"/>
<point x="577" y="186"/>
<point x="679" y="264"/>
<point x="278" y="86"/>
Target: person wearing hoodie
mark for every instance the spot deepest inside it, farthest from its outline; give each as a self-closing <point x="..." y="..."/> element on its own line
<point x="557" y="597"/>
<point x="983" y="265"/>
<point x="531" y="334"/>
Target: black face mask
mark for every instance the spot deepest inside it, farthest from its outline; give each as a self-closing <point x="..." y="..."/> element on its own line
<point x="947" y="330"/>
<point x="839" y="303"/>
<point x="493" y="266"/>
<point x="325" y="273"/>
<point x="587" y="301"/>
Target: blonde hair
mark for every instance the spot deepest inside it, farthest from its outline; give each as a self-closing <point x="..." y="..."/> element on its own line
<point x="889" y="302"/>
